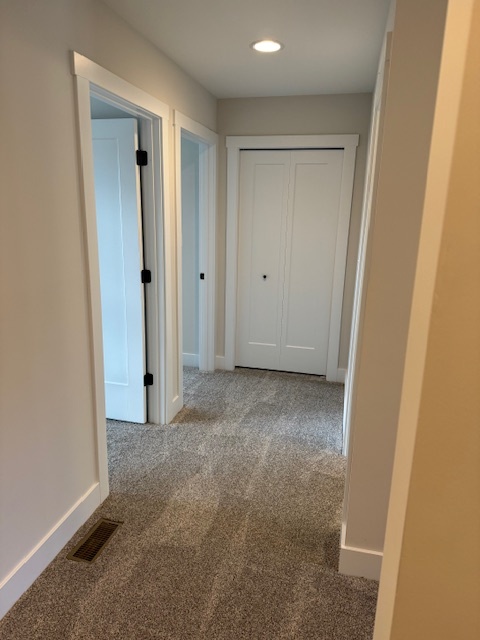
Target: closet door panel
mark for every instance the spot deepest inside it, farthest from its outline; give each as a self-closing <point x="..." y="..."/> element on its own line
<point x="263" y="202"/>
<point x="314" y="198"/>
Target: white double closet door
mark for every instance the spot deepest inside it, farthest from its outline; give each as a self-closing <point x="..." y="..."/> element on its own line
<point x="288" y="220"/>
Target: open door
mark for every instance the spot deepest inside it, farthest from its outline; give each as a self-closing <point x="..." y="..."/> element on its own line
<point x="120" y="245"/>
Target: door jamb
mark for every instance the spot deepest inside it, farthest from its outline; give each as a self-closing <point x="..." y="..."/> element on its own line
<point x="363" y="259"/>
<point x="159" y="238"/>
<point x="208" y="141"/>
<point x="347" y="142"/>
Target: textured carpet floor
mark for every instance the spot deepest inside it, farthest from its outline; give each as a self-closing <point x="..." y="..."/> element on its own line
<point x="231" y="525"/>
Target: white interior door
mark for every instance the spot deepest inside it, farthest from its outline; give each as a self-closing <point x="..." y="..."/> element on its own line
<point x="264" y="177"/>
<point x="289" y="212"/>
<point x="120" y="245"/>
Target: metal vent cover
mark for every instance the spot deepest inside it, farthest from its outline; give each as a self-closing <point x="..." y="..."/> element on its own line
<point x="93" y="543"/>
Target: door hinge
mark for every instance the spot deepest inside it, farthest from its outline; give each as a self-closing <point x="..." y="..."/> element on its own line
<point x="142" y="158"/>
<point x="146" y="276"/>
<point x="148" y="380"/>
<point x="202" y="276"/>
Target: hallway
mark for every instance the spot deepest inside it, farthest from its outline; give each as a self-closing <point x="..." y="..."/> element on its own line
<point x="231" y="525"/>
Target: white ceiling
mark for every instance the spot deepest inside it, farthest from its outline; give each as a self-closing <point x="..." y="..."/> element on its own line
<point x="331" y="46"/>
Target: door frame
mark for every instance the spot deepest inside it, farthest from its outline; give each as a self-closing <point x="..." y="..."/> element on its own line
<point x="348" y="143"/>
<point x="208" y="141"/>
<point x="159" y="241"/>
<point x="364" y="249"/>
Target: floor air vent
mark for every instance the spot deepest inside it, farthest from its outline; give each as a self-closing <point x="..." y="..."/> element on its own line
<point x="89" y="547"/>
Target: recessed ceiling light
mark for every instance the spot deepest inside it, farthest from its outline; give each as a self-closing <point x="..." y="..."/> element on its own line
<point x="267" y="46"/>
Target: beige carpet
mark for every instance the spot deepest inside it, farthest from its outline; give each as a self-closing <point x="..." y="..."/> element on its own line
<point x="231" y="525"/>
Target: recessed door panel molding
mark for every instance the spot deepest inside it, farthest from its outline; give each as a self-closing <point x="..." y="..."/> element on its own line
<point x="309" y="236"/>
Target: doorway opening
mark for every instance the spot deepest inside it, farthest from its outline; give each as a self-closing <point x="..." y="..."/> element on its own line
<point x="152" y="116"/>
<point x="196" y="156"/>
<point x="237" y="144"/>
<point x="191" y="273"/>
<point x="118" y="164"/>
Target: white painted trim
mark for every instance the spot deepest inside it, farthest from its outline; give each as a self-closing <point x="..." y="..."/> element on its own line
<point x="220" y="362"/>
<point x="179" y="265"/>
<point x="159" y="238"/>
<point x="190" y="360"/>
<point x="340" y="266"/>
<point x="199" y="131"/>
<point x="172" y="345"/>
<point x="341" y="375"/>
<point x="97" y="75"/>
<point x="208" y="141"/>
<point x="235" y="144"/>
<point x="231" y="257"/>
<point x="362" y="563"/>
<point x="210" y="255"/>
<point x="28" y="570"/>
<point x="363" y="259"/>
<point x="335" y="141"/>
<point x="152" y="204"/>
<point x="363" y="265"/>
<point x="87" y="195"/>
<point x="356" y="561"/>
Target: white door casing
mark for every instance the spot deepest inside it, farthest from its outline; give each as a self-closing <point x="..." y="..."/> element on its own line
<point x="120" y="252"/>
<point x="208" y="146"/>
<point x="235" y="144"/>
<point x="289" y="212"/>
<point x="159" y="242"/>
<point x="363" y="258"/>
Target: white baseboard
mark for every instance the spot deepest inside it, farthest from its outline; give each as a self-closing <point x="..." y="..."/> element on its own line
<point x="191" y="360"/>
<point x="363" y="563"/>
<point x="175" y="406"/>
<point x="28" y="570"/>
<point x="341" y="375"/>
<point x="220" y="362"/>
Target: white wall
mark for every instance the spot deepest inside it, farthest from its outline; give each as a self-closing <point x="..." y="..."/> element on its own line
<point x="323" y="114"/>
<point x="396" y="221"/>
<point x="190" y="248"/>
<point x="47" y="448"/>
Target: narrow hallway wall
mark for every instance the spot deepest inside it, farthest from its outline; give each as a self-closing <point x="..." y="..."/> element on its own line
<point x="47" y="448"/>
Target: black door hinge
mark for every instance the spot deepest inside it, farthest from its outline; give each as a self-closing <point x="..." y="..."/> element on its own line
<point x="202" y="276"/>
<point x="146" y="276"/>
<point x="142" y="158"/>
<point x="148" y="380"/>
